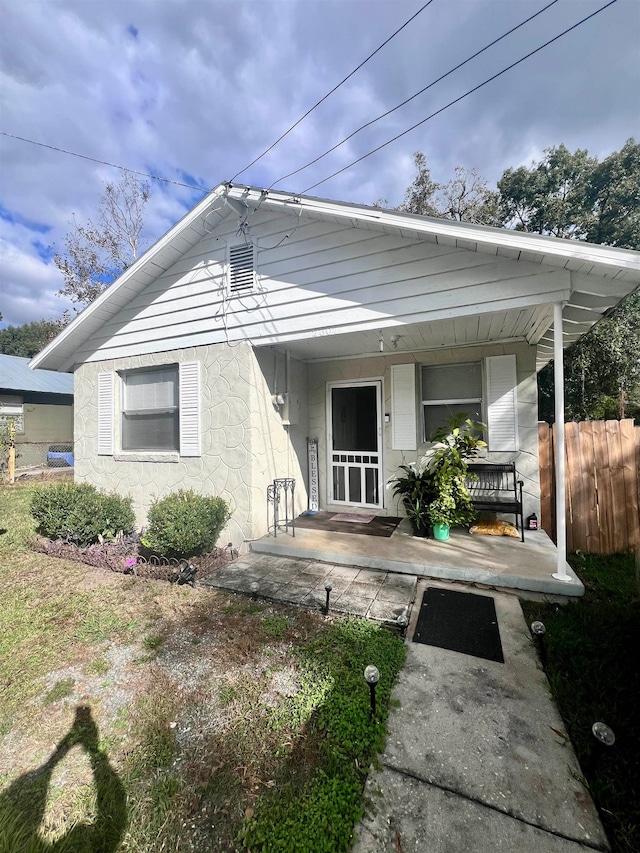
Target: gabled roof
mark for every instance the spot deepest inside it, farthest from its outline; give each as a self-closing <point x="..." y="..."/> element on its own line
<point x="15" y="375"/>
<point x="601" y="275"/>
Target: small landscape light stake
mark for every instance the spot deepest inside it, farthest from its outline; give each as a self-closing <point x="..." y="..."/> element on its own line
<point x="372" y="676"/>
<point x="254" y="590"/>
<point x="328" y="587"/>
<point x="603" y="734"/>
<point x="403" y="624"/>
<point x="538" y="630"/>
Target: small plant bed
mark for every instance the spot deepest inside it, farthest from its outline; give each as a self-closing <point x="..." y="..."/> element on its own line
<point x="141" y="716"/>
<point x="124" y="556"/>
<point x="78" y="522"/>
<point x="592" y="666"/>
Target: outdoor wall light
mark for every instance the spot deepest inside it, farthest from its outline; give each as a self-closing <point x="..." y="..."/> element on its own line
<point x="603" y="734"/>
<point x="538" y="628"/>
<point x="372" y="677"/>
<point x="254" y="589"/>
<point x="328" y="587"/>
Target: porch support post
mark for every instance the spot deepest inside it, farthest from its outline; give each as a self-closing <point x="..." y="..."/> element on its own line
<point x="558" y="378"/>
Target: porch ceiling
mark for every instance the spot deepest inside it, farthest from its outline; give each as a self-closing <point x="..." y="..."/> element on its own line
<point x="526" y="324"/>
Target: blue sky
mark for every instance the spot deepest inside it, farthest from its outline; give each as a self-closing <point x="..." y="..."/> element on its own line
<point x="193" y="90"/>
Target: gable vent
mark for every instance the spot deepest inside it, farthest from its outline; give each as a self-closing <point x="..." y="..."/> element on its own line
<point x="241" y="269"/>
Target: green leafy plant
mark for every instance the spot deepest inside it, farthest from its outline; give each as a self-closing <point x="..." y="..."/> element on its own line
<point x="79" y="513"/>
<point x="434" y="490"/>
<point x="185" y="524"/>
<point x="417" y="490"/>
<point x="453" y="447"/>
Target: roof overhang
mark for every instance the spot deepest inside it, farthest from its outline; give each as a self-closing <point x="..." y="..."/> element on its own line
<point x="600" y="276"/>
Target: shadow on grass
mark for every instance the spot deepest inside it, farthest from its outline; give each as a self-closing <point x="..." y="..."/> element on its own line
<point x="22" y="804"/>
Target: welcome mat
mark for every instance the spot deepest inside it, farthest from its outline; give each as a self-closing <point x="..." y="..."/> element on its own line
<point x="460" y="621"/>
<point x="380" y="525"/>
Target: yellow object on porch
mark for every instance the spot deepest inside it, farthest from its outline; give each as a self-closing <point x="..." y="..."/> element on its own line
<point x="495" y="528"/>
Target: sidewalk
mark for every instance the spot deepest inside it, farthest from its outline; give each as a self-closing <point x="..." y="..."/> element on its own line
<point x="477" y="759"/>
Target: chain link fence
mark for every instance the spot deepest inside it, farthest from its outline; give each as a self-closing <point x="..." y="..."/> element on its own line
<point x="33" y="456"/>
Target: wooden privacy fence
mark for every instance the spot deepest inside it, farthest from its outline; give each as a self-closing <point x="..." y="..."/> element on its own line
<point x="602" y="482"/>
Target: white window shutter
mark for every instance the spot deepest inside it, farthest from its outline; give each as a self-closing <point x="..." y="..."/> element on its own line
<point x="190" y="408"/>
<point x="403" y="407"/>
<point x="105" y="414"/>
<point x="502" y="402"/>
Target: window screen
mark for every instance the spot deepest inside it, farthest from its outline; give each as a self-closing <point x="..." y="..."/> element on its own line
<point x="450" y="389"/>
<point x="12" y="410"/>
<point x="150" y="410"/>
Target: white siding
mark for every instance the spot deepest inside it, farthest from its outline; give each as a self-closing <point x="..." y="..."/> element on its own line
<point x="324" y="277"/>
<point x="403" y="407"/>
<point x="502" y="413"/>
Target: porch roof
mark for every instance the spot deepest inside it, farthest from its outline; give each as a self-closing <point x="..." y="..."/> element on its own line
<point x="598" y="278"/>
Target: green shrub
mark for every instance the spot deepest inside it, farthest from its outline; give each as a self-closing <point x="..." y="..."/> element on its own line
<point x="80" y="513"/>
<point x="184" y="524"/>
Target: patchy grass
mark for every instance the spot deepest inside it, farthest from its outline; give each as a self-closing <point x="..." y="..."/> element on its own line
<point x="592" y="666"/>
<point x="185" y="719"/>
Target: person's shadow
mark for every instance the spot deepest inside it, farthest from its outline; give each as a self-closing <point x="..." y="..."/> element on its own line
<point x="22" y="804"/>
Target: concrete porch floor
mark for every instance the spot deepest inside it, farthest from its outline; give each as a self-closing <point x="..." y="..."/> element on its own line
<point x="496" y="561"/>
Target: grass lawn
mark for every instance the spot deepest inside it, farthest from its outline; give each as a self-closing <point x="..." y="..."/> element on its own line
<point x="593" y="666"/>
<point x="140" y="716"/>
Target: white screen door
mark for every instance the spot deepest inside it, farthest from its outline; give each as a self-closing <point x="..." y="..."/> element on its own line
<point x="355" y="443"/>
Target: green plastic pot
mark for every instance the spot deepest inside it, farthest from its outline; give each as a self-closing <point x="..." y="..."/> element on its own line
<point x="441" y="532"/>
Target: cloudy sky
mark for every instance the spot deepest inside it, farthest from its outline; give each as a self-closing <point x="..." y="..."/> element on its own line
<point x="193" y="90"/>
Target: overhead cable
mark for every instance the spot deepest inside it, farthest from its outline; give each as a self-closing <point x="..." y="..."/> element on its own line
<point x="102" y="162"/>
<point x="456" y="100"/>
<point x="335" y="88"/>
<point x="412" y="97"/>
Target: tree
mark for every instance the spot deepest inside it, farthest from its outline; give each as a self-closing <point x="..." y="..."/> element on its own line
<point x="613" y="199"/>
<point x="419" y="196"/>
<point x="96" y="254"/>
<point x="550" y="197"/>
<point x="27" y="340"/>
<point x="467" y="198"/>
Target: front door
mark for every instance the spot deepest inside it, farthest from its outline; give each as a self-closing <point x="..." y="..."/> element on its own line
<point x="355" y="443"/>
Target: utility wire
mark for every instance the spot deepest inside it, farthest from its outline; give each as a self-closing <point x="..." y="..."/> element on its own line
<point x="337" y="86"/>
<point x="102" y="162"/>
<point x="411" y="98"/>
<point x="456" y="100"/>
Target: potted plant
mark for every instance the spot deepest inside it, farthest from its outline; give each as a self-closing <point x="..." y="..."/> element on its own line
<point x="453" y="447"/>
<point x="416" y="489"/>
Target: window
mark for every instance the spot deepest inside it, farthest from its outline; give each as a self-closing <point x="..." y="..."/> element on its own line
<point x="12" y="409"/>
<point x="449" y="389"/>
<point x="150" y="411"/>
<point x="241" y="268"/>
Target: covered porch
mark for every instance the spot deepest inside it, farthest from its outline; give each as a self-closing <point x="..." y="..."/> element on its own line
<point x="496" y="561"/>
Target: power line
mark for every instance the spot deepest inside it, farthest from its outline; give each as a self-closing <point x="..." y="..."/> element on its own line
<point x="456" y="100"/>
<point x="102" y="162"/>
<point x="337" y="86"/>
<point x="407" y="100"/>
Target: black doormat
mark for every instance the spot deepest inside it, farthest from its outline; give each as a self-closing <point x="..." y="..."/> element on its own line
<point x="460" y="621"/>
<point x="381" y="525"/>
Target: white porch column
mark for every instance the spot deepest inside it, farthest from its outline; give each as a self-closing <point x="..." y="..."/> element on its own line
<point x="558" y="379"/>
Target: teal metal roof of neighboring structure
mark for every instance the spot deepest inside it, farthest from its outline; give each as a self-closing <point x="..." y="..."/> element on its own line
<point x="16" y="375"/>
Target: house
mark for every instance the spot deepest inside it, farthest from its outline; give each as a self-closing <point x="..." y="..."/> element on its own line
<point x="40" y="403"/>
<point x="262" y="320"/>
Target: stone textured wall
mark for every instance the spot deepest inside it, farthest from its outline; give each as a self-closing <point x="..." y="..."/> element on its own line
<point x="380" y="367"/>
<point x="244" y="443"/>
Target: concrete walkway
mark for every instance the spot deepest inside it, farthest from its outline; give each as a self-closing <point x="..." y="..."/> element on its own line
<point x="477" y="757"/>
